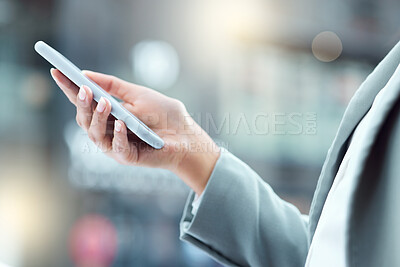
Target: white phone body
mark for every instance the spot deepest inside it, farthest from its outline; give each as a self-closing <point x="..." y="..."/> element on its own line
<point x="76" y="76"/>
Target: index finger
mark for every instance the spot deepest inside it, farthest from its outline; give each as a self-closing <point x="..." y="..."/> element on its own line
<point x="68" y="87"/>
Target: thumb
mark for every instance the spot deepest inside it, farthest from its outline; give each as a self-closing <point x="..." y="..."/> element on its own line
<point x="113" y="85"/>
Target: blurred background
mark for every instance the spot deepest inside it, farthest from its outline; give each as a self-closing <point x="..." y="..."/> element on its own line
<point x="269" y="80"/>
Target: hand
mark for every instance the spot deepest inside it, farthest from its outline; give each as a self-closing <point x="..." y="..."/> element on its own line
<point x="188" y="151"/>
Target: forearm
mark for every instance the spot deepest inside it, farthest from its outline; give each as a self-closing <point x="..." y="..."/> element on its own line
<point x="241" y="221"/>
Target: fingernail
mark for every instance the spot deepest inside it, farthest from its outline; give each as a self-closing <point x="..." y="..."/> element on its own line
<point x="87" y="89"/>
<point x="117" y="126"/>
<point x="102" y="105"/>
<point x="82" y="93"/>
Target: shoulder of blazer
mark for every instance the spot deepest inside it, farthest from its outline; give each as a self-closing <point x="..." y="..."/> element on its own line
<point x="357" y="108"/>
<point x="374" y="223"/>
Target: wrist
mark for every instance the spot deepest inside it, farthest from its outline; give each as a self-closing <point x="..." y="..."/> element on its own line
<point x="198" y="163"/>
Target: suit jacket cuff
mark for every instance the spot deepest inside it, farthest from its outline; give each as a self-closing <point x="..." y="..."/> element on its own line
<point x="195" y="225"/>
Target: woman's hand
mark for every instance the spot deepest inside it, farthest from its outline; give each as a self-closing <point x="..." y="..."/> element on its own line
<point x="188" y="151"/>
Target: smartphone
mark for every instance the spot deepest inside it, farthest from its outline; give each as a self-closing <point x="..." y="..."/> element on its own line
<point x="73" y="73"/>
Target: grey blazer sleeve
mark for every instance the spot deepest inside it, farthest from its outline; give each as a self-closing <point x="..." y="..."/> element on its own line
<point x="242" y="222"/>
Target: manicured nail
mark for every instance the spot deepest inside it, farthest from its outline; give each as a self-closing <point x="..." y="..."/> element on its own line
<point x="102" y="105"/>
<point x="87" y="89"/>
<point x="82" y="93"/>
<point x="117" y="126"/>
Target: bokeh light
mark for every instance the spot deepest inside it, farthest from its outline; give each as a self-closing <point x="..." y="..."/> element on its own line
<point x="155" y="64"/>
<point x="93" y="241"/>
<point x="327" y="46"/>
<point x="29" y="216"/>
<point x="36" y="89"/>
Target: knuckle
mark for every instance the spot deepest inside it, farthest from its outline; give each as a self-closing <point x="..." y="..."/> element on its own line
<point x="94" y="122"/>
<point x="92" y="136"/>
<point x="101" y="116"/>
<point x="116" y="148"/>
<point x="103" y="147"/>
<point x="80" y="104"/>
<point x="121" y="160"/>
<point x="88" y="117"/>
<point x="78" y="121"/>
<point x="98" y="120"/>
<point x="132" y="156"/>
<point x="179" y="104"/>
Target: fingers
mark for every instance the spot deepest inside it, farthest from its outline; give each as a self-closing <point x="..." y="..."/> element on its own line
<point x="115" y="86"/>
<point x="123" y="151"/>
<point x="95" y="121"/>
<point x="84" y="107"/>
<point x="68" y="87"/>
<point x="97" y="130"/>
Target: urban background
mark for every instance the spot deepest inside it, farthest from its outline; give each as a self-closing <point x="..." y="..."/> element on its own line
<point x="269" y="80"/>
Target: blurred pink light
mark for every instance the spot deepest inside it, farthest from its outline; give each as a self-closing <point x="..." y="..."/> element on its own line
<point x="93" y="241"/>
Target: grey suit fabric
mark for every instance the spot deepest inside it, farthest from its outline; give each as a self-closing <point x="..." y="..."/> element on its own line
<point x="242" y="222"/>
